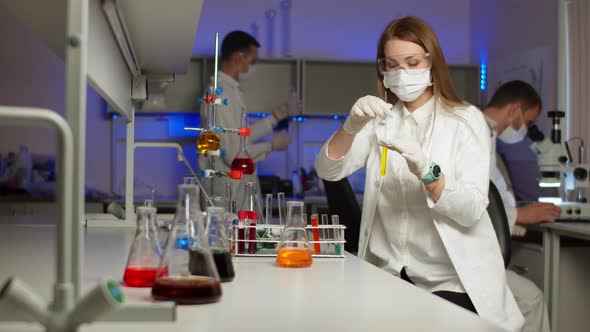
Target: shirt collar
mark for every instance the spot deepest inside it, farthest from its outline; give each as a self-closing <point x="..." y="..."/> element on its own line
<point x="227" y="81"/>
<point x="422" y="113"/>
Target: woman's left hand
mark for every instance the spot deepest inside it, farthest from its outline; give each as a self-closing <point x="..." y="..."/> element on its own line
<point x="417" y="161"/>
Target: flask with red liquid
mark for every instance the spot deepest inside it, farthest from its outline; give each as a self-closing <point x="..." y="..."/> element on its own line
<point x="179" y="278"/>
<point x="242" y="161"/>
<point x="144" y="256"/>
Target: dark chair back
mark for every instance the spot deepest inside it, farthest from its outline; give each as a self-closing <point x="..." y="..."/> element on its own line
<point x="342" y="201"/>
<point x="499" y="219"/>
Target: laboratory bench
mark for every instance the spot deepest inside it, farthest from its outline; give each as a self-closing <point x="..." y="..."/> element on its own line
<point x="345" y="294"/>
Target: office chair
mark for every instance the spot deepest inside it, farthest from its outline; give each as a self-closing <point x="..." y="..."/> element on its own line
<point x="342" y="201"/>
<point x="500" y="222"/>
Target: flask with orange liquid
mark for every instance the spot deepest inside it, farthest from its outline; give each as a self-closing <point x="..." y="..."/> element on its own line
<point x="294" y="248"/>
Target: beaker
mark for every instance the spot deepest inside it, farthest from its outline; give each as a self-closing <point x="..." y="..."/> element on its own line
<point x="218" y="243"/>
<point x="178" y="280"/>
<point x="145" y="253"/>
<point x="294" y="248"/>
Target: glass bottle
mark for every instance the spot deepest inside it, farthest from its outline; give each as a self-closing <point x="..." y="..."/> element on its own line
<point x="178" y="278"/>
<point x="145" y="253"/>
<point x="294" y="248"/>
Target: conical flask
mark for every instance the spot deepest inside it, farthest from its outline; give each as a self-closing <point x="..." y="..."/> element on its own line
<point x="219" y="243"/>
<point x="294" y="248"/>
<point x="179" y="278"/>
<point x="242" y="161"/>
<point x="144" y="256"/>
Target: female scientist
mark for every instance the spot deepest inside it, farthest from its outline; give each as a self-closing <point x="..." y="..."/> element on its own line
<point x="424" y="212"/>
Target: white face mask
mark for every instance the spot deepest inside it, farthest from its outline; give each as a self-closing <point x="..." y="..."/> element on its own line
<point x="247" y="75"/>
<point x="511" y="135"/>
<point x="407" y="84"/>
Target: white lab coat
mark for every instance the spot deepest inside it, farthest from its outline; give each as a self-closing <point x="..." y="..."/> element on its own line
<point x="460" y="144"/>
<point x="528" y="296"/>
<point x="501" y="184"/>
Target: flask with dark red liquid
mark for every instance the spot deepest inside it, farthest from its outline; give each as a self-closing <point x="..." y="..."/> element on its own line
<point x="180" y="277"/>
<point x="219" y="244"/>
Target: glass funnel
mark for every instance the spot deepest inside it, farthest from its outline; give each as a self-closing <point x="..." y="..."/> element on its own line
<point x="294" y="248"/>
<point x="145" y="253"/>
<point x="179" y="278"/>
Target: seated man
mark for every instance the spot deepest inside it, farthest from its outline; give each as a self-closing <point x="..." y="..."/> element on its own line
<point x="514" y="106"/>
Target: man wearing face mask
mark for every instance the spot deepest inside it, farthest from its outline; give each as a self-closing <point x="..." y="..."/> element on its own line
<point x="515" y="106"/>
<point x="239" y="52"/>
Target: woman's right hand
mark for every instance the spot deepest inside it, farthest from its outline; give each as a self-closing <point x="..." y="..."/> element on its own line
<point x="363" y="110"/>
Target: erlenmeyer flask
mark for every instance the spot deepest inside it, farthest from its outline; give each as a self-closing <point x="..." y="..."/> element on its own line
<point x="242" y="161"/>
<point x="219" y="244"/>
<point x="144" y="256"/>
<point x="177" y="279"/>
<point x="294" y="248"/>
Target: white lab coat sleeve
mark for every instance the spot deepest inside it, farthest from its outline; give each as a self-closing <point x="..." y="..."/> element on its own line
<point x="259" y="151"/>
<point x="262" y="128"/>
<point x="507" y="198"/>
<point x="356" y="158"/>
<point x="464" y="198"/>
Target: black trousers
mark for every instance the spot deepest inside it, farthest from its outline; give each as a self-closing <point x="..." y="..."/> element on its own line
<point x="460" y="299"/>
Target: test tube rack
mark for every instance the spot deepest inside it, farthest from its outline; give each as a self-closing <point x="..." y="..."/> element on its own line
<point x="268" y="237"/>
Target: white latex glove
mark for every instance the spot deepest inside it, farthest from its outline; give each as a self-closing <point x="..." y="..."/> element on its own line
<point x="388" y="129"/>
<point x="417" y="161"/>
<point x="292" y="107"/>
<point x="280" y="141"/>
<point x="363" y="110"/>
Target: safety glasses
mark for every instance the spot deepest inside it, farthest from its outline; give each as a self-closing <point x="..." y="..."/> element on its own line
<point x="405" y="62"/>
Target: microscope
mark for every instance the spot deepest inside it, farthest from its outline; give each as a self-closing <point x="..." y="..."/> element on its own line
<point x="560" y="170"/>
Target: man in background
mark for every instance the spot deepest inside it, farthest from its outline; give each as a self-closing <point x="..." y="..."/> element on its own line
<point x="239" y="53"/>
<point x="514" y="107"/>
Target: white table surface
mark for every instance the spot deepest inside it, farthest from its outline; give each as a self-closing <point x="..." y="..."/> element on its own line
<point x="575" y="229"/>
<point x="332" y="295"/>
